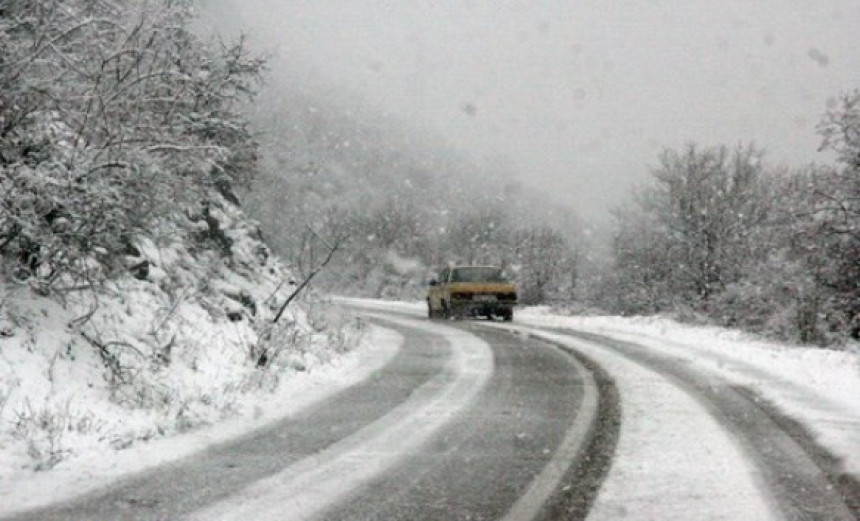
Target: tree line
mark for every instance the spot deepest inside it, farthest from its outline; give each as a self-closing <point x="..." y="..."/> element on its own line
<point x="720" y="235"/>
<point x="716" y="234"/>
<point x="116" y="119"/>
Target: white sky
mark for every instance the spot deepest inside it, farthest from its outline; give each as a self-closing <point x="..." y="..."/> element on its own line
<point x="579" y="96"/>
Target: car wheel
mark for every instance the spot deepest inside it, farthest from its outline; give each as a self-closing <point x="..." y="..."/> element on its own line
<point x="508" y="316"/>
<point x="430" y="313"/>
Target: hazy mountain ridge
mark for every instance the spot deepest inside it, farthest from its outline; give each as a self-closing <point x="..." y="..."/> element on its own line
<point x="399" y="195"/>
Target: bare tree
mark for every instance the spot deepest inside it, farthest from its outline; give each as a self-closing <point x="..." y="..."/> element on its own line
<point x="837" y="210"/>
<point x="332" y="246"/>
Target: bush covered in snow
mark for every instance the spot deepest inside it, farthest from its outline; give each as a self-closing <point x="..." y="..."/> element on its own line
<point x="719" y="233"/>
<point x="136" y="299"/>
<point x="154" y="354"/>
<point x="112" y="117"/>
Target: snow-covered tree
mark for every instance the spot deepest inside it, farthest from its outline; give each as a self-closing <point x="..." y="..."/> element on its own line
<point x="113" y="116"/>
<point x="689" y="233"/>
<point x="547" y="265"/>
<point x="837" y="211"/>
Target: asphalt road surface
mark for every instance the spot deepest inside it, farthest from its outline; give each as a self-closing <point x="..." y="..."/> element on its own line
<point x="802" y="481"/>
<point x="478" y="420"/>
<point x="464" y="423"/>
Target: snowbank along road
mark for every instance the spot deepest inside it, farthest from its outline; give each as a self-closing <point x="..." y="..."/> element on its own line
<point x="459" y="425"/>
<point x="478" y="420"/>
<point x="693" y="446"/>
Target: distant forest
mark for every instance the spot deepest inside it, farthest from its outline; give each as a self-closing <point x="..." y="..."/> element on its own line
<point x="716" y="236"/>
<point x="116" y="120"/>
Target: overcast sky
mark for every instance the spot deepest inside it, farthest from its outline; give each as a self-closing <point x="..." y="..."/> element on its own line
<point x="580" y="95"/>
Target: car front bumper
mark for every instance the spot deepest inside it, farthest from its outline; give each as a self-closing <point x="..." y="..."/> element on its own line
<point x="481" y="308"/>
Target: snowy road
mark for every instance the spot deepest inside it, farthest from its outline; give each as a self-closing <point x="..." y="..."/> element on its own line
<point x="477" y="420"/>
<point x="460" y="424"/>
<point x="692" y="445"/>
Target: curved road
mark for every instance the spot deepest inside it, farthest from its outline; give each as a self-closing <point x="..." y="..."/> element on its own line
<point x="464" y="423"/>
<point x="798" y="478"/>
<point x="478" y="420"/>
<point x="694" y="446"/>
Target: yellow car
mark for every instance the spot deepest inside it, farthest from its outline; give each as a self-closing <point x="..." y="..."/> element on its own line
<point x="471" y="291"/>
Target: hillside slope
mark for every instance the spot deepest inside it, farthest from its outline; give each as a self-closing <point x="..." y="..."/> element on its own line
<point x="183" y="340"/>
<point x="136" y="299"/>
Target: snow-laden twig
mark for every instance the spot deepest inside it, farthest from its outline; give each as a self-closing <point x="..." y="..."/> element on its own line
<point x="332" y="248"/>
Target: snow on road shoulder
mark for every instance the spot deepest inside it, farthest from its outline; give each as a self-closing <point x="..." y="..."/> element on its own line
<point x="820" y="388"/>
<point x="21" y="490"/>
<point x="304" y="489"/>
<point x="673" y="461"/>
<point x="418" y="309"/>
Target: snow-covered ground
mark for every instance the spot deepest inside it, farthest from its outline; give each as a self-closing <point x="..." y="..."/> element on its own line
<point x="818" y="387"/>
<point x="21" y="488"/>
<point x="304" y="489"/>
<point x="111" y="377"/>
<point x="672" y="461"/>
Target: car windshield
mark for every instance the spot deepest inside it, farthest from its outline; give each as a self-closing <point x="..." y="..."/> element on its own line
<point x="477" y="275"/>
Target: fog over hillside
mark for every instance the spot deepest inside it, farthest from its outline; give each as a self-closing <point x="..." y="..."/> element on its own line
<point x="332" y="166"/>
<point x="703" y="151"/>
<point x="577" y="98"/>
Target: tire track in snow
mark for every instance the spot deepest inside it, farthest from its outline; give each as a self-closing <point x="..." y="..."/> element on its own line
<point x="803" y="477"/>
<point x="308" y="487"/>
<point x="172" y="490"/>
<point x="673" y="461"/>
<point x="505" y="456"/>
<point x="791" y="470"/>
<point x="571" y="450"/>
